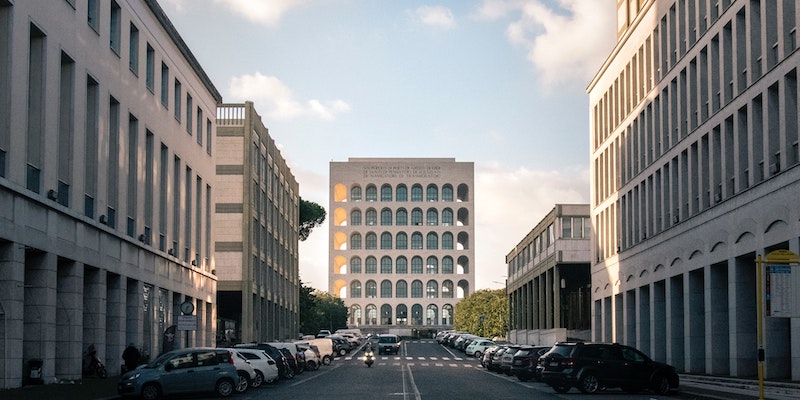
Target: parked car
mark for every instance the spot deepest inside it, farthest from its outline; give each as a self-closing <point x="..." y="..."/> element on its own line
<point x="325" y="347"/>
<point x="508" y="359"/>
<point x="592" y="366"/>
<point x="323" y="333"/>
<point x="296" y="358"/>
<point x="189" y="370"/>
<point x="341" y="346"/>
<point x="246" y="372"/>
<point x="477" y="347"/>
<point x="494" y="362"/>
<point x="313" y="359"/>
<point x="265" y="366"/>
<point x="488" y="354"/>
<point x="525" y="361"/>
<point x="388" y="343"/>
<point x="284" y="370"/>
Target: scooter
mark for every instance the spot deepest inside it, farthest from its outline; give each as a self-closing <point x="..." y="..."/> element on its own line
<point x="92" y="364"/>
<point x="369" y="357"/>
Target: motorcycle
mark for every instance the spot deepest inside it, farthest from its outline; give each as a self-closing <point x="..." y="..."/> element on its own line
<point x="92" y="364"/>
<point x="369" y="357"/>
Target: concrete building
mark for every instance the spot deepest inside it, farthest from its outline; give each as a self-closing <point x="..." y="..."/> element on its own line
<point x="402" y="237"/>
<point x="106" y="184"/>
<point x="549" y="284"/>
<point x="694" y="173"/>
<point x="256" y="231"/>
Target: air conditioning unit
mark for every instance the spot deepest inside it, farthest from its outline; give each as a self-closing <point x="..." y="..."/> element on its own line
<point x="52" y="194"/>
<point x="717" y="197"/>
<point x="171" y="251"/>
<point x="774" y="168"/>
<point x="103" y="219"/>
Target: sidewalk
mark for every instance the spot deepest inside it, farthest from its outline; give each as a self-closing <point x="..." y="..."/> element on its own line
<point x="700" y="387"/>
<point x="88" y="389"/>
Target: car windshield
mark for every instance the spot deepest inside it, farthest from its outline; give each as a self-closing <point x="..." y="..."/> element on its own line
<point x="561" y="350"/>
<point x="159" y="361"/>
<point x="387" y="339"/>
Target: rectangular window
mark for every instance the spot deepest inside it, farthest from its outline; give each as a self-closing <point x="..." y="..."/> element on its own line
<point x="133" y="50"/>
<point x="92" y="137"/>
<point x="66" y="120"/>
<point x="208" y="136"/>
<point x="208" y="227"/>
<point x="150" y="60"/>
<point x="177" y="100"/>
<point x="187" y="209"/>
<point x="189" y="111"/>
<point x="36" y="112"/>
<point x="164" y="85"/>
<point x="176" y="204"/>
<point x="163" y="180"/>
<point x="92" y="14"/>
<point x="112" y="153"/>
<point x="115" y="28"/>
<point x="149" y="181"/>
<point x="5" y="83"/>
<point x="133" y="173"/>
<point x="566" y="227"/>
<point x="200" y="126"/>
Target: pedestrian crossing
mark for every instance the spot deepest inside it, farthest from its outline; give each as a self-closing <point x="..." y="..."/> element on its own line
<point x="406" y="358"/>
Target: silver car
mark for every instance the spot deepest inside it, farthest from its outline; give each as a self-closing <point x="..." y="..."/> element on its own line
<point x="189" y="370"/>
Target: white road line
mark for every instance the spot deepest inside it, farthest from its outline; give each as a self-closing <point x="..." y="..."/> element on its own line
<point x="415" y="392"/>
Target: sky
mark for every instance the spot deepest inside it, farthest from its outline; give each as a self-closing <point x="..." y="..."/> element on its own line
<point x="501" y="83"/>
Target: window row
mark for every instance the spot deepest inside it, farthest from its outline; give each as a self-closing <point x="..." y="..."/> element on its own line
<point x="401" y="265"/>
<point x="400" y="217"/>
<point x="369" y="315"/>
<point x="401" y="241"/>
<point x="401" y="289"/>
<point x="400" y="193"/>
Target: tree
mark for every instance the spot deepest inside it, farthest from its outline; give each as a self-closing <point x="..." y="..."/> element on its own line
<point x="483" y="313"/>
<point x="311" y="216"/>
<point x="320" y="310"/>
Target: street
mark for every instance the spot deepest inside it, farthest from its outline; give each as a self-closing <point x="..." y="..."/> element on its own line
<point x="423" y="370"/>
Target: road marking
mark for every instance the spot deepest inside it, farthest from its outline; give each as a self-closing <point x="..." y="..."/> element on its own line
<point x="411" y="382"/>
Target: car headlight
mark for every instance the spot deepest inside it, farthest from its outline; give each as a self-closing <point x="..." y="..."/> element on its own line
<point x="134" y="376"/>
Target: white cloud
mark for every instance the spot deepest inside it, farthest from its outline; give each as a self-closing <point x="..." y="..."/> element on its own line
<point x="272" y="95"/>
<point x="266" y="12"/>
<point x="509" y="203"/>
<point x="566" y="44"/>
<point x="437" y="16"/>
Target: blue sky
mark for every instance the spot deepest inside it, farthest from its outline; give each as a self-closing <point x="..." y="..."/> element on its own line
<point x="501" y="83"/>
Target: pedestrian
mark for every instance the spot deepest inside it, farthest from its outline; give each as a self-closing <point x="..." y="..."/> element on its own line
<point x="131" y="356"/>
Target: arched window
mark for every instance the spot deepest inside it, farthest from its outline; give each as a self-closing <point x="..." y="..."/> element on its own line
<point x="447" y="217"/>
<point x="447" y="314"/>
<point x="386" y="289"/>
<point x="355" y="241"/>
<point x="416" y="217"/>
<point x="386" y="241"/>
<point x="447" y="241"/>
<point x="402" y="289"/>
<point x="416" y="265"/>
<point x="355" y="315"/>
<point x="447" y="192"/>
<point x="372" y="193"/>
<point x="416" y="314"/>
<point x="416" y="289"/>
<point x="386" y="314"/>
<point x="401" y="242"/>
<point x="463" y="240"/>
<point x="432" y="241"/>
<point x="386" y="217"/>
<point x="355" y="217"/>
<point x="372" y="314"/>
<point x="432" y="193"/>
<point x="386" y="265"/>
<point x="402" y="217"/>
<point x="416" y="241"/>
<point x="432" y="265"/>
<point x="432" y="217"/>
<point x="372" y="289"/>
<point x="355" y="289"/>
<point x="386" y="192"/>
<point x="447" y="289"/>
<point x="463" y="192"/>
<point x="402" y="314"/>
<point x="432" y="315"/>
<point x="432" y="289"/>
<point x="355" y="265"/>
<point x="401" y="265"/>
<point x="416" y="192"/>
<point x="372" y="217"/>
<point x="372" y="265"/>
<point x="355" y="193"/>
<point x="402" y="192"/>
<point x="371" y="241"/>
<point x="447" y="265"/>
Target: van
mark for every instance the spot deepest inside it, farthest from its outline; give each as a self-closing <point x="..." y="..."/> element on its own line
<point x="325" y="347"/>
<point x="388" y="343"/>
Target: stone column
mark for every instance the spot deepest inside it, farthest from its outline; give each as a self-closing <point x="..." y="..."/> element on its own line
<point x="39" y="336"/>
<point x="94" y="311"/>
<point x="69" y="320"/>
<point x="12" y="305"/>
<point x="116" y="324"/>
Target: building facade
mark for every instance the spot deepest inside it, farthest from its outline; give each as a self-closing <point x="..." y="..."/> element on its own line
<point x="256" y="232"/>
<point x="694" y="143"/>
<point x="549" y="284"/>
<point x="401" y="240"/>
<point x="106" y="182"/>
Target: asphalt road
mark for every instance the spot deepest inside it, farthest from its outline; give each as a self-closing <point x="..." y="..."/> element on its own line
<point x="422" y="370"/>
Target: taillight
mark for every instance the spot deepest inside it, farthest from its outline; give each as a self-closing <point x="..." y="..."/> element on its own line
<point x="568" y="362"/>
<point x="230" y="358"/>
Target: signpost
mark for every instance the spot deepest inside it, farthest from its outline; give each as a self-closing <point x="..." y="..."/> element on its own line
<point x="781" y="301"/>
<point x="187" y="322"/>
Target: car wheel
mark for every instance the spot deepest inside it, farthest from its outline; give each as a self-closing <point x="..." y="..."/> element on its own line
<point x="259" y="380"/>
<point x="523" y="377"/>
<point x="244" y="382"/>
<point x="326" y="360"/>
<point x="478" y="354"/>
<point x="588" y="383"/>
<point x="289" y="374"/>
<point x="660" y="384"/>
<point x="342" y="352"/>
<point x="311" y="365"/>
<point x="560" y="388"/>
<point x="150" y="391"/>
<point x="224" y="388"/>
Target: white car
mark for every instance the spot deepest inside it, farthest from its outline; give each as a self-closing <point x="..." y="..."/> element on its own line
<point x="478" y="347"/>
<point x="313" y="359"/>
<point x="247" y="374"/>
<point x="264" y="365"/>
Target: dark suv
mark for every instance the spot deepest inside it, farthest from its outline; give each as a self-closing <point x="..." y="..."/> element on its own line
<point x="594" y="366"/>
